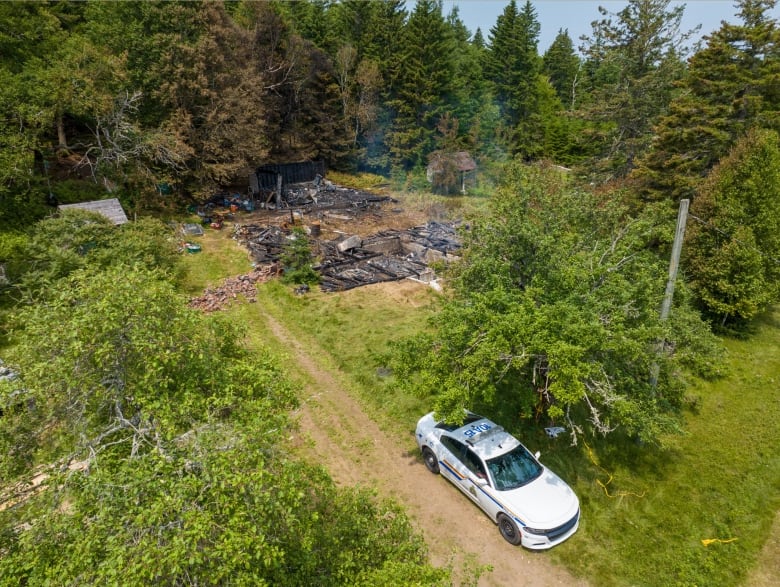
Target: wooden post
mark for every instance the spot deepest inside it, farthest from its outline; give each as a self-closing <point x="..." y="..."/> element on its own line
<point x="278" y="191"/>
<point x="674" y="263"/>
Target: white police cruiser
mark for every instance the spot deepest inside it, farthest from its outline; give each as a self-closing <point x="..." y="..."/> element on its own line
<point x="531" y="505"/>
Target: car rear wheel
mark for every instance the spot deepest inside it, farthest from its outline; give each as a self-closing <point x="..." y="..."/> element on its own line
<point x="431" y="462"/>
<point x="509" y="529"/>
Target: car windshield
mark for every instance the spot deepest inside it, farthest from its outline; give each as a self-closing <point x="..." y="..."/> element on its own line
<point x="514" y="469"/>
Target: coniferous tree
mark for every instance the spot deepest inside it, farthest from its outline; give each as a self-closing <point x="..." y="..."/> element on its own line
<point x="373" y="28"/>
<point x="237" y="86"/>
<point x="487" y="132"/>
<point x="156" y="40"/>
<point x="374" y="31"/>
<point x="731" y="86"/>
<point x="478" y="40"/>
<point x="500" y="59"/>
<point x="314" y="128"/>
<point x="469" y="89"/>
<point x="513" y="65"/>
<point x="562" y="65"/>
<point x="74" y="92"/>
<point x="29" y="32"/>
<point x="564" y="130"/>
<point x="635" y="56"/>
<point x="310" y="19"/>
<point x="732" y="251"/>
<point x="423" y="86"/>
<point x="214" y="92"/>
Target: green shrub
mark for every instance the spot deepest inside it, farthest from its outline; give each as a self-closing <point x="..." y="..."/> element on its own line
<point x="297" y="260"/>
<point x="72" y="191"/>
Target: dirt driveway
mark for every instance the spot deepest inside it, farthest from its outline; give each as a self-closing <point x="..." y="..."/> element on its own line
<point x="355" y="450"/>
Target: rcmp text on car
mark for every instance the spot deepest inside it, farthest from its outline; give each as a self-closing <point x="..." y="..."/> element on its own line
<point x="531" y="505"/>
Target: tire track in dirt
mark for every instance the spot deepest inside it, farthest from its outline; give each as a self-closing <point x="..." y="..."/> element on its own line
<point x="353" y="448"/>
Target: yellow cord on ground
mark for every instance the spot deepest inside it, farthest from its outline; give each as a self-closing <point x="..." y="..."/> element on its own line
<point x="608" y="474"/>
<point x="708" y="541"/>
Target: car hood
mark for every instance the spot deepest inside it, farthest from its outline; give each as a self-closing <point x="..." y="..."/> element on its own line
<point x="546" y="502"/>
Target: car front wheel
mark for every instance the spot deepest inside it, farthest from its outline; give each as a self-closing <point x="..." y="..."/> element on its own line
<point x="509" y="529"/>
<point x="431" y="462"/>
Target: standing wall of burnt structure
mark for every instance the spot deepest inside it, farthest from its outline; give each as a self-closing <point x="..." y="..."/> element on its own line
<point x="268" y="183"/>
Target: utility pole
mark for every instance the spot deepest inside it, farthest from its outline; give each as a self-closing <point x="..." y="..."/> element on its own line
<point x="674" y="263"/>
<point x="682" y="218"/>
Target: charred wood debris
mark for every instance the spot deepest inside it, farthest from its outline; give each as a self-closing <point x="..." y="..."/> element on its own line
<point x="353" y="261"/>
<point x="343" y="262"/>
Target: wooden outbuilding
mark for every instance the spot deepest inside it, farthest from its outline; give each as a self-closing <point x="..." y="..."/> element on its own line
<point x="447" y="170"/>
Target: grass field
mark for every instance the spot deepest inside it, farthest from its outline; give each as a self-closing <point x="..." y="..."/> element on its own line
<point x="356" y="328"/>
<point x="220" y="257"/>
<point x="696" y="512"/>
<point x="719" y="483"/>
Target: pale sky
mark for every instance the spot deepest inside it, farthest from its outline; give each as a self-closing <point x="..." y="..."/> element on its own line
<point x="576" y="15"/>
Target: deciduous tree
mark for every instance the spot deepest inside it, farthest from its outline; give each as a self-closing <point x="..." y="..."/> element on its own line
<point x="77" y="239"/>
<point x="554" y="311"/>
<point x="175" y="427"/>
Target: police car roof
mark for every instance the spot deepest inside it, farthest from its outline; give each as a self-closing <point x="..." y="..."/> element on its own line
<point x="487" y="443"/>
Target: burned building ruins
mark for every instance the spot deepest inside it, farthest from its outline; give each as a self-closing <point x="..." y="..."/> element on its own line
<point x="354" y="261"/>
<point x="269" y="184"/>
<point x="338" y="222"/>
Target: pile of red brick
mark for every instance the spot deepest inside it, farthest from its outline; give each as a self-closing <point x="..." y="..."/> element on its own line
<point x="233" y="288"/>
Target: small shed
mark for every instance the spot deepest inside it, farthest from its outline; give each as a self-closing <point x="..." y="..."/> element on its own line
<point x="110" y="208"/>
<point x="448" y="169"/>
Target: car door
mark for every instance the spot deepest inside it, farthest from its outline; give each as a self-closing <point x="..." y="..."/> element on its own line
<point x="456" y="461"/>
<point x="480" y="483"/>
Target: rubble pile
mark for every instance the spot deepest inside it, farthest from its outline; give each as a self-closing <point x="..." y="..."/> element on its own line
<point x="330" y="196"/>
<point x="328" y="213"/>
<point x="264" y="243"/>
<point x="355" y="271"/>
<point x="389" y="255"/>
<point x="217" y="298"/>
<point x="352" y="261"/>
<point x="439" y="237"/>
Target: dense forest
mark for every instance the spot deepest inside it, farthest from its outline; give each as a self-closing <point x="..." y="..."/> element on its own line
<point x="590" y="146"/>
<point x="144" y="99"/>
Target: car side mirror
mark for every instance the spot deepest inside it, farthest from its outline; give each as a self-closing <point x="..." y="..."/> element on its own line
<point x="481" y="481"/>
<point x="537" y="454"/>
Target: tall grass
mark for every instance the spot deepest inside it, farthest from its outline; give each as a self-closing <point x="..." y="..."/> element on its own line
<point x="359" y="181"/>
